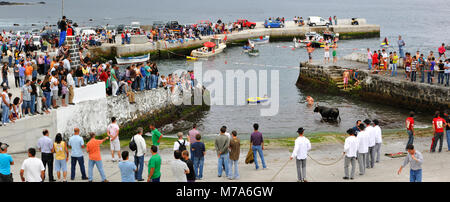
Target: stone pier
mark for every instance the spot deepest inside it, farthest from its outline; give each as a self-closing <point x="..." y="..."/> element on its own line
<point x="378" y="88"/>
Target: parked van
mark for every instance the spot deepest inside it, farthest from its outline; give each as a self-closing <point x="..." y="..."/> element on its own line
<point x="317" y="21"/>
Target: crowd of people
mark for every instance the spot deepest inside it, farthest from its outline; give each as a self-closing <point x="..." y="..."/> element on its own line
<point x="363" y="145"/>
<point x="429" y="66"/>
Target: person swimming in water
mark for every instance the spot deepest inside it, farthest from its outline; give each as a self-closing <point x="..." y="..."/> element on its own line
<point x="309" y="100"/>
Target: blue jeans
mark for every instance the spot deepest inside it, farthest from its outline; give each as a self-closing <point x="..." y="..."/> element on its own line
<point x="422" y="74"/>
<point x="224" y="160"/>
<point x="154" y="81"/>
<point x="261" y="155"/>
<point x="48" y="100"/>
<point x="369" y="61"/>
<point x="99" y="165"/>
<point x="447" y="78"/>
<point x="139" y="162"/>
<point x="394" y="69"/>
<point x="429" y="80"/>
<point x="32" y="104"/>
<point x="148" y="82"/>
<point x="73" y="165"/>
<point x="441" y="78"/>
<point x="62" y="38"/>
<point x="448" y="140"/>
<point x="142" y="84"/>
<point x="198" y="166"/>
<point x="410" y="137"/>
<point x="5" y="80"/>
<point x="22" y="80"/>
<point x="34" y="74"/>
<point x="236" y="170"/>
<point x="415" y="175"/>
<point x="26" y="104"/>
<point x="5" y="113"/>
<point x="156" y="179"/>
<point x="401" y="53"/>
<point x="413" y="75"/>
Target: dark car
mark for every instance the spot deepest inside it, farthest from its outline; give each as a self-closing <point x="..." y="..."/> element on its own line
<point x="120" y="28"/>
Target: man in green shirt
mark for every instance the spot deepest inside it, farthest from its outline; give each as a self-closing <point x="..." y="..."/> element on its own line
<point x="154" y="166"/>
<point x="114" y="80"/>
<point x="156" y="135"/>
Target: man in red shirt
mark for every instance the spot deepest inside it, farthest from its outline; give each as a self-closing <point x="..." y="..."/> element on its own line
<point x="410" y="128"/>
<point x="95" y="158"/>
<point x="441" y="51"/>
<point x="438" y="126"/>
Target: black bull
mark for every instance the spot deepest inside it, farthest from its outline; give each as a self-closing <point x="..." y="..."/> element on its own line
<point x="328" y="114"/>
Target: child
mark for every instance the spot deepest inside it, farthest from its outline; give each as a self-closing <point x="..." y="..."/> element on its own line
<point x="15" y="110"/>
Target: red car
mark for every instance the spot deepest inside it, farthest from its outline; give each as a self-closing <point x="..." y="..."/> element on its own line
<point x="245" y="23"/>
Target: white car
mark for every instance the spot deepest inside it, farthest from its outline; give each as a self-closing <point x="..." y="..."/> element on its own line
<point x="37" y="41"/>
<point x="317" y="21"/>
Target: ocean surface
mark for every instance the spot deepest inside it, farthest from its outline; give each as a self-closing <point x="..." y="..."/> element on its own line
<point x="424" y="25"/>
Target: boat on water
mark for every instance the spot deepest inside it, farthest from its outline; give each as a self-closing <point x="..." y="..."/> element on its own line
<point x="260" y="40"/>
<point x="253" y="52"/>
<point x="131" y="60"/>
<point x="210" y="48"/>
<point x="316" y="40"/>
<point x="256" y="100"/>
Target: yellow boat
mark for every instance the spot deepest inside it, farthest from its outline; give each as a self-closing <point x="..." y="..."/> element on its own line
<point x="257" y="100"/>
<point x="191" y="58"/>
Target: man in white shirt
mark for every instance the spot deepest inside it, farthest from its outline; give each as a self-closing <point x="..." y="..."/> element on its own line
<point x="33" y="169"/>
<point x="378" y="139"/>
<point x="66" y="64"/>
<point x="179" y="142"/>
<point x="350" y="151"/>
<point x="301" y="148"/>
<point x="370" y="161"/>
<point x="179" y="168"/>
<point x="70" y="86"/>
<point x="139" y="153"/>
<point x="363" y="148"/>
<point x="113" y="132"/>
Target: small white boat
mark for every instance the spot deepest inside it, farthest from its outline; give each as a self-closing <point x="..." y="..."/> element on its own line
<point x="213" y="47"/>
<point x="260" y="40"/>
<point x="131" y="60"/>
<point x="254" y="52"/>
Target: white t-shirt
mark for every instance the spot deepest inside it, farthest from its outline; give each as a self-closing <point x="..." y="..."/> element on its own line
<point x="176" y="145"/>
<point x="447" y="71"/>
<point x="66" y="64"/>
<point x="52" y="84"/>
<point x="113" y="129"/>
<point x="32" y="169"/>
<point x="178" y="168"/>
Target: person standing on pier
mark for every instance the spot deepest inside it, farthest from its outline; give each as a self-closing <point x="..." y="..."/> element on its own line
<point x="95" y="158"/>
<point x="45" y="145"/>
<point x="378" y="139"/>
<point x="335" y="20"/>
<point x="447" y="128"/>
<point x="438" y="127"/>
<point x="156" y="136"/>
<point x="350" y="151"/>
<point x="441" y="51"/>
<point x="63" y="28"/>
<point x="6" y="161"/>
<point x="363" y="148"/>
<point x="235" y="149"/>
<point x="334" y="46"/>
<point x="113" y="132"/>
<point x="416" y="159"/>
<point x="257" y="143"/>
<point x="301" y="148"/>
<point x="401" y="43"/>
<point x="370" y="161"/>
<point x="141" y="148"/>
<point x="76" y="143"/>
<point x="326" y="53"/>
<point x="309" y="49"/>
<point x="369" y="58"/>
<point x="222" y="144"/>
<point x="414" y="65"/>
<point x="410" y="128"/>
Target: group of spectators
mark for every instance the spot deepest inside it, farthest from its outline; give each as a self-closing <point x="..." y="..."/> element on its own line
<point x="429" y="66"/>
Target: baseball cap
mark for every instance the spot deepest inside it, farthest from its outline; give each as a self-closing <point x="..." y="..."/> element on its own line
<point x="3" y="146"/>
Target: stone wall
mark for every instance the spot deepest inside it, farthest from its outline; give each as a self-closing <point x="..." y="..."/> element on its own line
<point x="378" y="88"/>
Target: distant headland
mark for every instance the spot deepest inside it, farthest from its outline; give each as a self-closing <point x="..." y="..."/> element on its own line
<point x="7" y="3"/>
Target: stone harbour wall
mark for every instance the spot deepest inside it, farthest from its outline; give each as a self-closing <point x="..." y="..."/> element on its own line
<point x="377" y="88"/>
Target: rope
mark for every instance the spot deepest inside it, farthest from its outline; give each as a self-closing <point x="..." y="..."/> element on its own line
<point x="276" y="174"/>
<point x="327" y="164"/>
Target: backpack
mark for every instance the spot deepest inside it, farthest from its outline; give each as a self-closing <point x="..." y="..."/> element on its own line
<point x="133" y="145"/>
<point x="182" y="146"/>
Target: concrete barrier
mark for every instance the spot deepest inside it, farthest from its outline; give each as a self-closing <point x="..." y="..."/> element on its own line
<point x="89" y="92"/>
